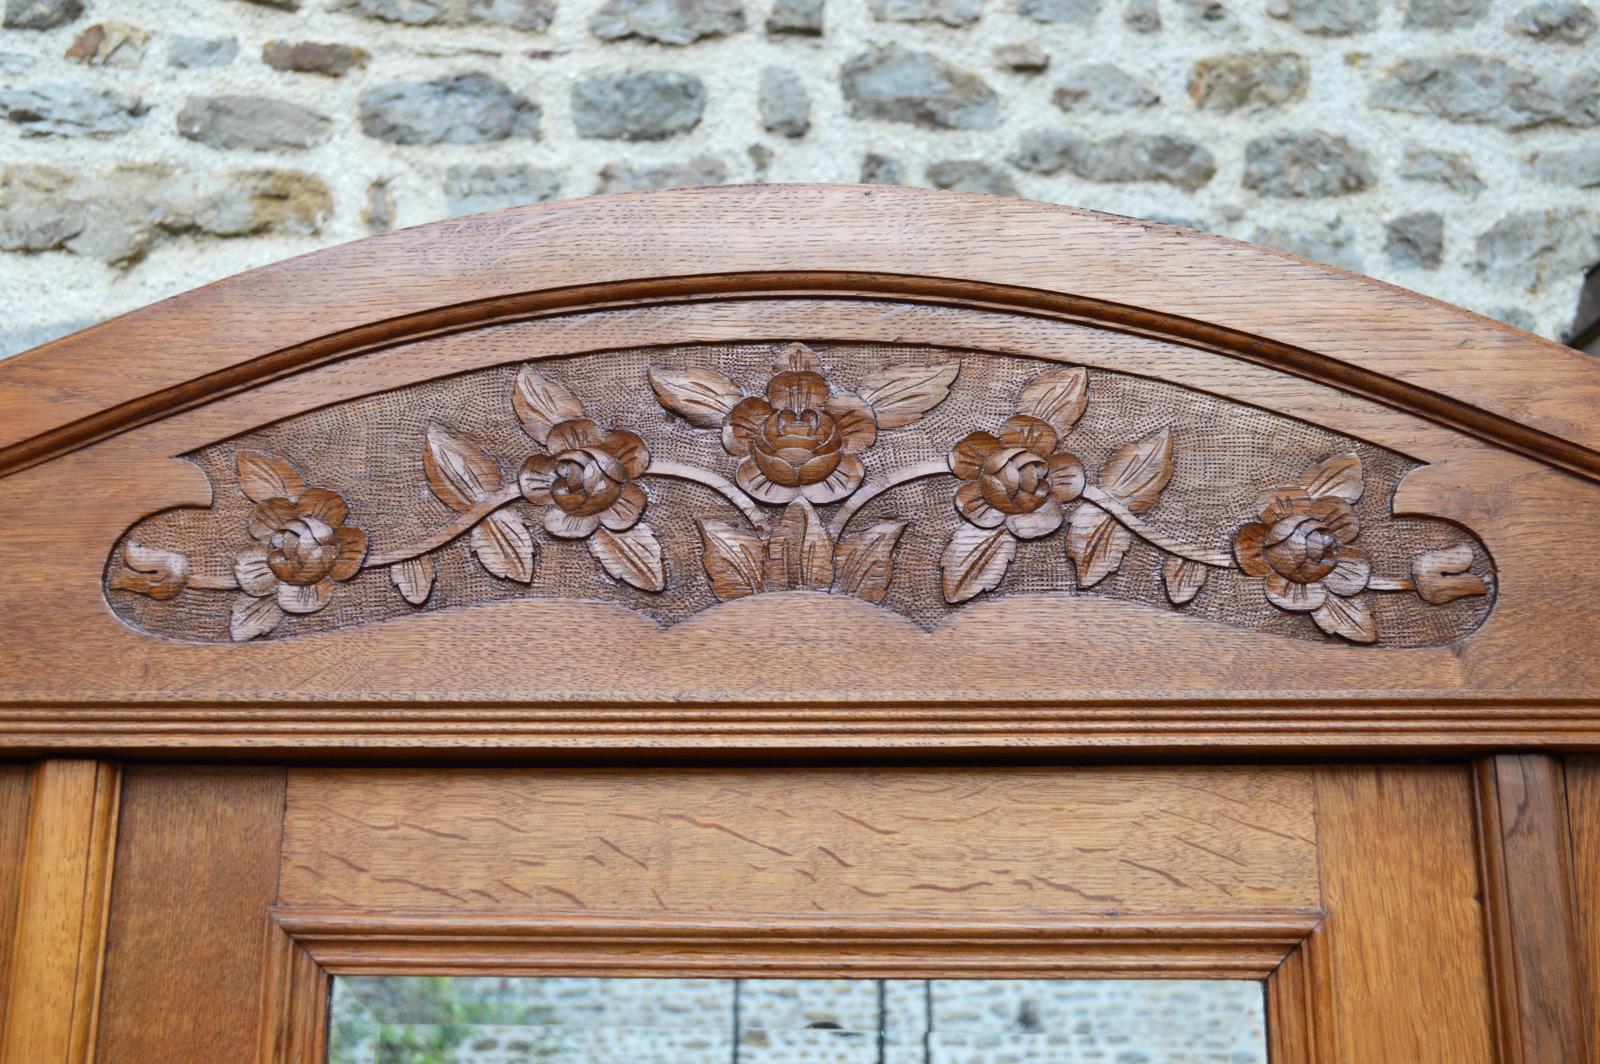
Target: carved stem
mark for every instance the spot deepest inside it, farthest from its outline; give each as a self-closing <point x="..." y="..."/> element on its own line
<point x="463" y="523"/>
<point x="206" y="582"/>
<point x="871" y="489"/>
<point x="1391" y="583"/>
<point x="1220" y="559"/>
<point x="727" y="489"/>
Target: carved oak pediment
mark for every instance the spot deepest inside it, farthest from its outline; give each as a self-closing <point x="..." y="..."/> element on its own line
<point x="799" y="467"/>
<point x="917" y="478"/>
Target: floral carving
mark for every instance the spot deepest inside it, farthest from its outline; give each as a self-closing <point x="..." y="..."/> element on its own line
<point x="587" y="479"/>
<point x="302" y="546"/>
<point x="1303" y="546"/>
<point x="795" y="453"/>
<point x="1015" y="478"/>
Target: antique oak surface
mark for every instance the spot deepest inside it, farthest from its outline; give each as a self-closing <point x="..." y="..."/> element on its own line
<point x="800" y="581"/>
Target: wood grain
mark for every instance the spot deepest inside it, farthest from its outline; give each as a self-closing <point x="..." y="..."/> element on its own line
<point x="62" y="902"/>
<point x="1406" y="933"/>
<point x="839" y="841"/>
<point x="1583" y="808"/>
<point x="15" y="783"/>
<point x="1263" y="304"/>
<point x="1300" y="1014"/>
<point x="1526" y="860"/>
<point x="994" y="679"/>
<point x="295" y="997"/>
<point x="196" y="873"/>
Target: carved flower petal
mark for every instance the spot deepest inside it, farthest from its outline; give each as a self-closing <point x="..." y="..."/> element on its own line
<point x="627" y="448"/>
<point x="1030" y="433"/>
<point x="796" y="356"/>
<point x="967" y="456"/>
<point x="251" y="572"/>
<point x="797" y="390"/>
<point x="294" y="598"/>
<point x="1337" y="517"/>
<point x="1279" y="503"/>
<point x="1066" y="476"/>
<point x="756" y="484"/>
<point x="563" y="525"/>
<point x="1298" y="598"/>
<point x="352" y="551"/>
<point x="1351" y="574"/>
<point x="573" y="434"/>
<point x="1043" y="521"/>
<point x="324" y="505"/>
<point x="858" y="425"/>
<point x="626" y="511"/>
<point x="1248" y="544"/>
<point x="538" y="473"/>
<point x="269" y="516"/>
<point x="841" y="482"/>
<point x="970" y="504"/>
<point x="744" y="421"/>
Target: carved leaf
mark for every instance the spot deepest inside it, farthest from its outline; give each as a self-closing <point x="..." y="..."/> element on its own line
<point x="633" y="557"/>
<point x="266" y="476"/>
<point x="1339" y="476"/>
<point x="863" y="563"/>
<point x="1441" y="576"/>
<point x="541" y="403"/>
<point x="900" y="395"/>
<point x="1347" y="617"/>
<point x="1183" y="579"/>
<point x="733" y="559"/>
<point x="414" y="578"/>
<point x="252" y="617"/>
<point x="459" y="472"/>
<point x="504" y="546"/>
<point x="976" y="561"/>
<point x="1137" y="472"/>
<point x="800" y="552"/>
<point x="160" y="574"/>
<point x="1057" y="397"/>
<point x="1096" y="543"/>
<point x="701" y="397"/>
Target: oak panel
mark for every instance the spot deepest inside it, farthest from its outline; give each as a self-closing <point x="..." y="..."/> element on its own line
<point x="63" y="891"/>
<point x="1583" y="807"/>
<point x="1526" y="857"/>
<point x="15" y="781"/>
<point x="1406" y="926"/>
<point x="807" y="841"/>
<point x="197" y="870"/>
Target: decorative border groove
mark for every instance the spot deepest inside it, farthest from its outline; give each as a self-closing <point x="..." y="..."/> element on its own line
<point x="1462" y="417"/>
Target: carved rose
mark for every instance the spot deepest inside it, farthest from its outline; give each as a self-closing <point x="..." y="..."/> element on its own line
<point x="302" y="548"/>
<point x="1015" y="478"/>
<point x="1303" y="546"/>
<point x="800" y="440"/>
<point x="587" y="479"/>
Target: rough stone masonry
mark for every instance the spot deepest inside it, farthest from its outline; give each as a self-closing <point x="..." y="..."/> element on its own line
<point x="1450" y="146"/>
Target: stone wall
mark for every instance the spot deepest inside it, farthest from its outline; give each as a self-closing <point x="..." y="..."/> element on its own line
<point x="465" y="1020"/>
<point x="1451" y="146"/>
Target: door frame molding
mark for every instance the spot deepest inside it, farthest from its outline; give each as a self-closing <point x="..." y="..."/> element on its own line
<point x="307" y="947"/>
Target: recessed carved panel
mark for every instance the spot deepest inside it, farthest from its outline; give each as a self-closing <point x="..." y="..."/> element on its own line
<point x="923" y="480"/>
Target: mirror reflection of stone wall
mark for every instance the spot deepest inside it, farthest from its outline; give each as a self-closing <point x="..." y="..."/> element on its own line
<point x="475" y="1020"/>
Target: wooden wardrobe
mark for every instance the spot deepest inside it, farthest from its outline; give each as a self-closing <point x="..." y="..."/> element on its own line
<point x="800" y="581"/>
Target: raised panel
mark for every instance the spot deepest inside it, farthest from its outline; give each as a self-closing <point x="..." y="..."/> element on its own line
<point x="810" y="842"/>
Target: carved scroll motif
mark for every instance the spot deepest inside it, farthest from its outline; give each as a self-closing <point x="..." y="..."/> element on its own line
<point x="919" y="485"/>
